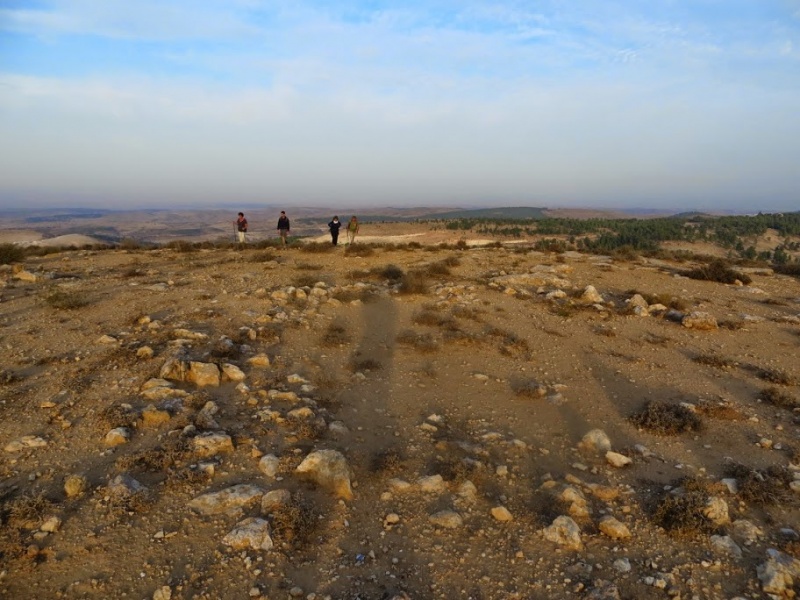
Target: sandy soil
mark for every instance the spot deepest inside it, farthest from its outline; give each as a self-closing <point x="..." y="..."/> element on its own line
<point x="463" y="374"/>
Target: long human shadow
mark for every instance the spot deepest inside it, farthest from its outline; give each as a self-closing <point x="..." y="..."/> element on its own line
<point x="366" y="410"/>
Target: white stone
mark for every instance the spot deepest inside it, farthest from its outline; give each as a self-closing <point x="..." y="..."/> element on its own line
<point x="329" y="469"/>
<point x="250" y="534"/>
<point x="449" y="519"/>
<point x="269" y="465"/>
<point x="564" y="532"/>
<point x="229" y="500"/>
<point x="615" y="459"/>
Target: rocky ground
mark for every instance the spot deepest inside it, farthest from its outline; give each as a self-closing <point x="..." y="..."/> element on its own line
<point x="395" y="420"/>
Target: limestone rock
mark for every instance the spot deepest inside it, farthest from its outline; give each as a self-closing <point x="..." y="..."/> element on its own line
<point x="432" y="484"/>
<point x="163" y="593"/>
<point x="746" y="532"/>
<point x="124" y="486"/>
<point x="778" y="573"/>
<point x="26" y="441"/>
<point x="75" y="485"/>
<point x="275" y="499"/>
<point x="117" y="436"/>
<point x="145" y="353"/>
<point x="205" y="418"/>
<point x="24" y="275"/>
<point x="252" y="533"/>
<point x="232" y="373"/>
<point x="329" y="469"/>
<point x="595" y="440"/>
<point x="716" y="511"/>
<point x="614" y="528"/>
<point x="615" y="459"/>
<point x="502" y="514"/>
<point x="564" y="532"/>
<point x="590" y="295"/>
<point x="269" y="465"/>
<point x="603" y="590"/>
<point x="153" y="417"/>
<point x="259" y="360"/>
<point x="229" y="500"/>
<point x="701" y="321"/>
<point x="726" y="545"/>
<point x="448" y="519"/>
<point x="51" y="524"/>
<point x="467" y="491"/>
<point x="203" y="374"/>
<point x="212" y="443"/>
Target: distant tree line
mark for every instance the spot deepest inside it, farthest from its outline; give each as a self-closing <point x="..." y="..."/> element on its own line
<point x="646" y="235"/>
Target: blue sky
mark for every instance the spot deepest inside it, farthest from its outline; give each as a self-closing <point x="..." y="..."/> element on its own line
<point x="660" y="103"/>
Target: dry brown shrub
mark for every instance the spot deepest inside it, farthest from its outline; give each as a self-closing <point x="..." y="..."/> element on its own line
<point x="659" y="340"/>
<point x="667" y="419"/>
<point x="294" y="523"/>
<point x="730" y="324"/>
<point x="422" y="342"/>
<point x="172" y="453"/>
<point x="316" y="247"/>
<point x="778" y="376"/>
<point x="761" y="488"/>
<point x="388" y="462"/>
<point x="365" y="364"/>
<point x="432" y="318"/>
<point x="681" y="514"/>
<point x="306" y="429"/>
<point x="117" y="415"/>
<point x="65" y="300"/>
<point x="413" y="282"/>
<point x="714" y="360"/>
<point x="336" y="334"/>
<point x="604" y="331"/>
<point x="719" y="271"/>
<point x="27" y="511"/>
<point x="778" y="397"/>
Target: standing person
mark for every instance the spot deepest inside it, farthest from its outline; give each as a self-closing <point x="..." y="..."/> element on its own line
<point x="241" y="228"/>
<point x="283" y="227"/>
<point x="334" y="226"/>
<point x="352" y="230"/>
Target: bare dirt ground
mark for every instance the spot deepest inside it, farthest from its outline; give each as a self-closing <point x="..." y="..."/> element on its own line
<point x="457" y="384"/>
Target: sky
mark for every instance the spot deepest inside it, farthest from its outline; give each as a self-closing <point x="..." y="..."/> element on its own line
<point x="684" y="104"/>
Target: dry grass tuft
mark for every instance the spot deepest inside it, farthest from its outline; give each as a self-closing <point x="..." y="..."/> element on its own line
<point x="316" y="247"/>
<point x="27" y="512"/>
<point x="723" y="410"/>
<point x="64" y="300"/>
<point x="667" y="419"/>
<point x="719" y="271"/>
<point x="171" y="454"/>
<point x="387" y="462"/>
<point x="117" y="415"/>
<point x="779" y="398"/>
<point x="336" y="334"/>
<point x="365" y="364"/>
<point x="681" y="513"/>
<point x="778" y="376"/>
<point x="713" y="360"/>
<point x="422" y="342"/>
<point x="762" y="488"/>
<point x="413" y="282"/>
<point x="294" y="523"/>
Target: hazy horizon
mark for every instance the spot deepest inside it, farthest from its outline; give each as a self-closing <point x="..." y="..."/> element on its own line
<point x="677" y="106"/>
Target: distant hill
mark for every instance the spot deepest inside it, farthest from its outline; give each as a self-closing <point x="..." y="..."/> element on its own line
<point x="502" y="212"/>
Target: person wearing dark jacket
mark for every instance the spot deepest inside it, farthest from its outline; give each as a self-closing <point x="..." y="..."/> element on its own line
<point x="283" y="227"/>
<point x="241" y="228"/>
<point x="334" y="226"/>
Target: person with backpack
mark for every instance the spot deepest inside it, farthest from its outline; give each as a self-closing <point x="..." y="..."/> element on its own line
<point x="334" y="226"/>
<point x="241" y="228"/>
<point x="352" y="230"/>
<point x="283" y="227"/>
